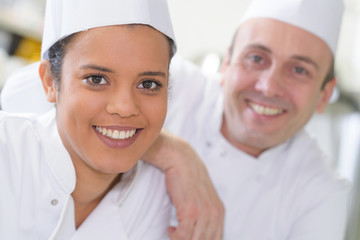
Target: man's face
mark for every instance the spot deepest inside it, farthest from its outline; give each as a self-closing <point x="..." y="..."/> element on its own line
<point x="272" y="84"/>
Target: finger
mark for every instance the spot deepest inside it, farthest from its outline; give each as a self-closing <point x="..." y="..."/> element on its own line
<point x="219" y="233"/>
<point x="201" y="228"/>
<point x="219" y="218"/>
<point x="215" y="225"/>
<point x="207" y="223"/>
<point x="171" y="231"/>
<point x="183" y="232"/>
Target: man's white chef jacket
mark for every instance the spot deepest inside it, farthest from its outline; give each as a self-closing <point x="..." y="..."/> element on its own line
<point x="287" y="193"/>
<point x="37" y="178"/>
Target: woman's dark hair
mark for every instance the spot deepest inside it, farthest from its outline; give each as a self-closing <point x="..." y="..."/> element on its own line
<point x="56" y="56"/>
<point x="58" y="50"/>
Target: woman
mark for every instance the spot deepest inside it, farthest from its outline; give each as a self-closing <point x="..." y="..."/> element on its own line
<point x="74" y="173"/>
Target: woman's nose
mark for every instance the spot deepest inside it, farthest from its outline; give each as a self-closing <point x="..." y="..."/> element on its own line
<point x="123" y="103"/>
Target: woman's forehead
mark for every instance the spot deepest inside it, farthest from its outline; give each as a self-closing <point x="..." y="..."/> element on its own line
<point x="114" y="47"/>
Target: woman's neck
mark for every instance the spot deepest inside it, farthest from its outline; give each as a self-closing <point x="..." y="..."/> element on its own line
<point x="91" y="187"/>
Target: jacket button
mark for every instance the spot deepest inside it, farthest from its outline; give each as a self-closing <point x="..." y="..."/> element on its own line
<point x="54" y="202"/>
<point x="223" y="153"/>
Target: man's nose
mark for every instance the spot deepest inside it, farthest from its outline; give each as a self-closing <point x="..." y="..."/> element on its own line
<point x="270" y="82"/>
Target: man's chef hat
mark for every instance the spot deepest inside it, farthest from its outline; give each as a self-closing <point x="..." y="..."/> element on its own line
<point x="65" y="17"/>
<point x="320" y="17"/>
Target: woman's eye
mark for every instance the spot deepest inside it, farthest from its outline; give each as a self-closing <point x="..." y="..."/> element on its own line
<point x="149" y="85"/>
<point x="95" y="80"/>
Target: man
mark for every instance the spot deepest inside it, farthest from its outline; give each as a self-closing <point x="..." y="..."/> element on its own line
<point x="247" y="126"/>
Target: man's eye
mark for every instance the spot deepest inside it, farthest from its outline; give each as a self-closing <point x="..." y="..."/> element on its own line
<point x="300" y="70"/>
<point x="256" y="58"/>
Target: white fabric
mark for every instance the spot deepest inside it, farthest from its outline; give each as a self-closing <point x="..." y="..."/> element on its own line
<point x="23" y="92"/>
<point x="320" y="17"/>
<point x="62" y="18"/>
<point x="37" y="178"/>
<point x="288" y="193"/>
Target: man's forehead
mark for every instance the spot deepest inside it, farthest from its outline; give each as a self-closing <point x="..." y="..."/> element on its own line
<point x="278" y="36"/>
<point x="282" y="41"/>
<point x="320" y="17"/>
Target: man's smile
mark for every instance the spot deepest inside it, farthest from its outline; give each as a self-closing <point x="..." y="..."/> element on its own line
<point x="264" y="110"/>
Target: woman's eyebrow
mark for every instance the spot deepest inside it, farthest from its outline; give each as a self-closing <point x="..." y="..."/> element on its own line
<point x="151" y="73"/>
<point x="97" y="67"/>
<point x="104" y="69"/>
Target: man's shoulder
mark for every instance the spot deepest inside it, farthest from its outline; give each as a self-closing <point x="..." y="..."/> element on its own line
<point x="311" y="164"/>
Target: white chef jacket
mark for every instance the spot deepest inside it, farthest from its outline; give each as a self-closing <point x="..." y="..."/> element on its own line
<point x="23" y="92"/>
<point x="37" y="178"/>
<point x="287" y="193"/>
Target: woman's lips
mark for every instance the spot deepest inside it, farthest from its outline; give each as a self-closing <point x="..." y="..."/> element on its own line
<point x="116" y="134"/>
<point x="116" y="138"/>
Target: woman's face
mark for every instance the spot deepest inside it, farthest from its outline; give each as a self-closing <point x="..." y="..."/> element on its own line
<point x="112" y="100"/>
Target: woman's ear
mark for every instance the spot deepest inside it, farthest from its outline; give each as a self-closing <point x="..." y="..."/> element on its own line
<point x="47" y="80"/>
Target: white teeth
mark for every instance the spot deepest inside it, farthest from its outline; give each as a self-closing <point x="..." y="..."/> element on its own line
<point x="116" y="134"/>
<point x="265" y="110"/>
<point x="122" y="135"/>
<point x="109" y="133"/>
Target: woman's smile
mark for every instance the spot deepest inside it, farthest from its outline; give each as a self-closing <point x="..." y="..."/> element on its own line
<point x="115" y="133"/>
<point x="117" y="137"/>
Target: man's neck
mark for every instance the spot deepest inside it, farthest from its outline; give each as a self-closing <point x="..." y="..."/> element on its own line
<point x="251" y="150"/>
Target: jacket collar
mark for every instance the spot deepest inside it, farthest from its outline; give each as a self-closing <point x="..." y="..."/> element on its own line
<point x="61" y="165"/>
<point x="55" y="153"/>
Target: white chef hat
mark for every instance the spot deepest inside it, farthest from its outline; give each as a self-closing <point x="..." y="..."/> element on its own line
<point x="320" y="17"/>
<point x="65" y="17"/>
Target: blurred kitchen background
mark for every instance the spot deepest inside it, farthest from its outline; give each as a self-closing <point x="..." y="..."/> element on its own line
<point x="204" y="29"/>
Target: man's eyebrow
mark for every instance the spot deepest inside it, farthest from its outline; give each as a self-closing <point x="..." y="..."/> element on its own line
<point x="97" y="67"/>
<point x="307" y="60"/>
<point x="258" y="46"/>
<point x="153" y="74"/>
<point x="297" y="57"/>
